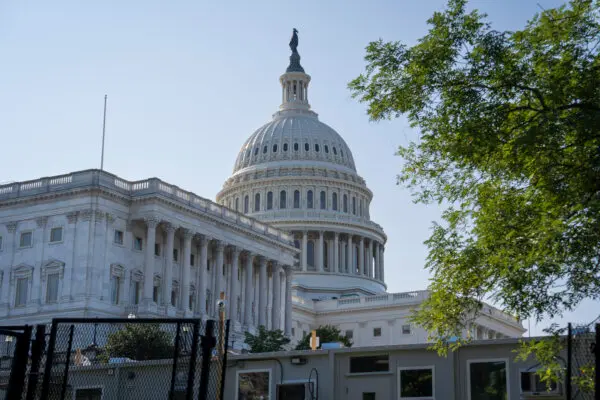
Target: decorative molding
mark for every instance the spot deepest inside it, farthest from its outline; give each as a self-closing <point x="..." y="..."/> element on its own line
<point x="21" y="271"/>
<point x="110" y="218"/>
<point x="72" y="217"/>
<point x="99" y="216"/>
<point x="137" y="275"/>
<point x="86" y="215"/>
<point x="391" y="322"/>
<point x="168" y="227"/>
<point x="129" y="225"/>
<point x="157" y="279"/>
<point x="11" y="227"/>
<point x="51" y="267"/>
<point x="152" y="221"/>
<point x="220" y="245"/>
<point x="187" y="233"/>
<point x="117" y="270"/>
<point x="362" y="324"/>
<point x="41" y="222"/>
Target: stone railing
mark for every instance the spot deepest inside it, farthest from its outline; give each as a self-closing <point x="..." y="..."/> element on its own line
<point x="320" y="215"/>
<point x="152" y="186"/>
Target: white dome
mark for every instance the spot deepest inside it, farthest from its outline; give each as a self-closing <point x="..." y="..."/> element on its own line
<point x="295" y="136"/>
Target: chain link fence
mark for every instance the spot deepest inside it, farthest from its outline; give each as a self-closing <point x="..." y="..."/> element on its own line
<point x="582" y="362"/>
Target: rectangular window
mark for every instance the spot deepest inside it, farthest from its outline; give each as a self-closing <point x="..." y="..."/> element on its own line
<point x="192" y="260"/>
<point x="136" y="293"/>
<point x="88" y="394"/>
<point x="365" y="364"/>
<point x="175" y="254"/>
<point x="26" y="239"/>
<point x="52" y="288"/>
<point x="21" y="293"/>
<point x="293" y="331"/>
<point x="138" y="243"/>
<point x="531" y="384"/>
<point x="157" y="249"/>
<point x="376" y="332"/>
<point x="350" y="334"/>
<point x="368" y="396"/>
<point x="406" y="329"/>
<point x="174" y="298"/>
<point x="155" y="293"/>
<point x="416" y="383"/>
<point x="56" y="235"/>
<point x="115" y="289"/>
<point x="118" y="237"/>
<point x="487" y="380"/>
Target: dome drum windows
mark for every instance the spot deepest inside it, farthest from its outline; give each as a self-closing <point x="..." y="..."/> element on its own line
<point x="354" y="205"/>
<point x="345" y="203"/>
<point x="326" y="149"/>
<point x="256" y="151"/>
<point x="296" y="199"/>
<point x="323" y="200"/>
<point x="283" y="200"/>
<point x="309" y="199"/>
<point x="270" y="201"/>
<point x="285" y="147"/>
<point x="306" y="146"/>
<point x="246" y="204"/>
<point x="274" y="148"/>
<point x="317" y="147"/>
<point x="334" y="151"/>
<point x="257" y="202"/>
<point x="265" y="148"/>
<point x="334" y="201"/>
<point x="296" y="146"/>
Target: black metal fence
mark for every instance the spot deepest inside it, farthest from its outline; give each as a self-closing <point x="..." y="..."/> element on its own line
<point x="115" y="359"/>
<point x="583" y="362"/>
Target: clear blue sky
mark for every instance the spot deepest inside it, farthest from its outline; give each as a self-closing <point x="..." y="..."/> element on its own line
<point x="189" y="81"/>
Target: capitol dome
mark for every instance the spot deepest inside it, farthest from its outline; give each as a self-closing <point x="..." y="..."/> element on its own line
<point x="298" y="174"/>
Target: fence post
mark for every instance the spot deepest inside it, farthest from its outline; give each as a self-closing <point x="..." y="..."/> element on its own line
<point x="192" y="371"/>
<point x="224" y="361"/>
<point x="175" y="359"/>
<point x="49" y="360"/>
<point x="208" y="343"/>
<point x="597" y="353"/>
<point x="37" y="349"/>
<point x="65" y="382"/>
<point x="569" y="361"/>
<point x="19" y="365"/>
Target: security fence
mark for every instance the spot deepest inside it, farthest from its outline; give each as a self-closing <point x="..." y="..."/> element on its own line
<point x="583" y="362"/>
<point x="102" y="358"/>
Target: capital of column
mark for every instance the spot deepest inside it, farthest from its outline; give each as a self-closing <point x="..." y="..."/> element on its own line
<point x="203" y="239"/>
<point x="235" y="251"/>
<point x="11" y="227"/>
<point x="41" y="222"/>
<point x="220" y="245"/>
<point x="249" y="255"/>
<point x="262" y="260"/>
<point x="336" y="235"/>
<point x="275" y="264"/>
<point x="168" y="227"/>
<point x="187" y="234"/>
<point x="72" y="217"/>
<point x="152" y="221"/>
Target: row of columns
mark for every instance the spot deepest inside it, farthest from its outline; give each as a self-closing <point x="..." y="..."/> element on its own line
<point x="341" y="257"/>
<point x="232" y="288"/>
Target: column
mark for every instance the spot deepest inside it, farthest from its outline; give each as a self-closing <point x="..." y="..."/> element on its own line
<point x="304" y="249"/>
<point x="9" y="249"/>
<point x="370" y="259"/>
<point x="39" y="242"/>
<point x="336" y="263"/>
<point x="168" y="275"/>
<point x="381" y="265"/>
<point x="151" y="224"/>
<point x="276" y="306"/>
<point x="349" y="256"/>
<point x="248" y="270"/>
<point x="185" y="265"/>
<point x="262" y="293"/>
<point x="203" y="279"/>
<point x="288" y="301"/>
<point x="233" y="296"/>
<point x="361" y="256"/>
<point x="218" y="272"/>
<point x="342" y="257"/>
<point x="377" y="273"/>
<point x="320" y="253"/>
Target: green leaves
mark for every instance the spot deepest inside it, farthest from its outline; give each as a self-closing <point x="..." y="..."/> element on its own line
<point x="139" y="342"/>
<point x="266" y="341"/>
<point x="509" y="144"/>
<point x="326" y="334"/>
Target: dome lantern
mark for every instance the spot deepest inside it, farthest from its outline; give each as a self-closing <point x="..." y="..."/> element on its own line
<point x="294" y="83"/>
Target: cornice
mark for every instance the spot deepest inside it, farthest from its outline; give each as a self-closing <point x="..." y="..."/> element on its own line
<point x="379" y="235"/>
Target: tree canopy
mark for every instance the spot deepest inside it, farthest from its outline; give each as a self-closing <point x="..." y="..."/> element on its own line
<point x="326" y="334"/>
<point x="509" y="145"/>
<point x="266" y="341"/>
<point x="139" y="342"/>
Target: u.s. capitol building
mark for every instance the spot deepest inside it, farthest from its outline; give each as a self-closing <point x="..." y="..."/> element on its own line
<point x="289" y="241"/>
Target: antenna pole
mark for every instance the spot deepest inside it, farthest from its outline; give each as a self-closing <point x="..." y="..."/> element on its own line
<point x="103" y="134"/>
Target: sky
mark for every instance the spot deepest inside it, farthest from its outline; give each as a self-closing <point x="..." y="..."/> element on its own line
<point x="188" y="81"/>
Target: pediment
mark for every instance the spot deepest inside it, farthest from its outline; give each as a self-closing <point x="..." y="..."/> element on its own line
<point x="137" y="275"/>
<point x="22" y="271"/>
<point x="117" y="270"/>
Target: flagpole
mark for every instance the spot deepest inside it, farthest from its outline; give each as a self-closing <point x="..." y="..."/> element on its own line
<point x="103" y="134"/>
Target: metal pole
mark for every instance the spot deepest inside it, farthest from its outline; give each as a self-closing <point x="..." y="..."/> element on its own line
<point x="224" y="359"/>
<point x="68" y="363"/>
<point x="597" y="351"/>
<point x="175" y="359"/>
<point x="208" y="343"/>
<point x="49" y="361"/>
<point x="569" y="361"/>
<point x="103" y="133"/>
<point x="37" y="351"/>
<point x="192" y="372"/>
<point x="19" y="365"/>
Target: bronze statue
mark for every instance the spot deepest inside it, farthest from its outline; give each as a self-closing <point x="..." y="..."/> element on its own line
<point x="294" y="41"/>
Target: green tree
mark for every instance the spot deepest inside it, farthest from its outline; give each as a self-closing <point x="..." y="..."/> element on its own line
<point x="508" y="143"/>
<point x="326" y="334"/>
<point x="139" y="342"/>
<point x="266" y="341"/>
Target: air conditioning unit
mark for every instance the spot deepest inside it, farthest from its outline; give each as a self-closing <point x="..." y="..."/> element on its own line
<point x="296" y="391"/>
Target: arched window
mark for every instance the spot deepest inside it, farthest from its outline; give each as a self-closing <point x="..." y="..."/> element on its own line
<point x="257" y="202"/>
<point x="334" y="202"/>
<point x="326" y="149"/>
<point x="310" y="253"/>
<point x="283" y="199"/>
<point x="246" y="202"/>
<point x="325" y="255"/>
<point x="354" y="205"/>
<point x="345" y="203"/>
<point x="316" y="147"/>
<point x="323" y="200"/>
<point x="255" y="150"/>
<point x="356" y="258"/>
<point x="309" y="199"/>
<point x="285" y="147"/>
<point x="296" y="199"/>
<point x="360" y="209"/>
<point x="264" y="149"/>
<point x="237" y="204"/>
<point x="306" y="146"/>
<point x="274" y="148"/>
<point x="228" y="203"/>
<point x="270" y="201"/>
<point x="334" y="151"/>
<point x="342" y="152"/>
<point x="296" y="146"/>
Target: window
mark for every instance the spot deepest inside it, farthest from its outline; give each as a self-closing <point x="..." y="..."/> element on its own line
<point x="334" y="202"/>
<point x="349" y="334"/>
<point x="175" y="254"/>
<point x="342" y="153"/>
<point x="354" y="205"/>
<point x="26" y="239"/>
<point x="360" y="209"/>
<point x="157" y="249"/>
<point x="136" y="292"/>
<point x="270" y="201"/>
<point x="52" y="288"/>
<point x="264" y="149"/>
<point x="88" y="394"/>
<point x="359" y="365"/>
<point x="285" y="147"/>
<point x="237" y="204"/>
<point x="174" y="298"/>
<point x="246" y="202"/>
<point x="415" y="383"/>
<point x="334" y="151"/>
<point x="316" y="147"/>
<point x="345" y="203"/>
<point x="282" y="199"/>
<point x="56" y="235"/>
<point x="255" y="150"/>
<point x="257" y="202"/>
<point x="406" y="329"/>
<point x="326" y="149"/>
<point x="296" y="146"/>
<point x="531" y="383"/>
<point x="368" y="396"/>
<point x="21" y="292"/>
<point x="309" y="199"/>
<point x="118" y="239"/>
<point x="274" y="148"/>
<point x="376" y="332"/>
<point x="115" y="289"/>
<point x="296" y="199"/>
<point x="138" y="243"/>
<point x="155" y="293"/>
<point x="306" y="146"/>
<point x="487" y="380"/>
<point x="310" y="253"/>
<point x="325" y="254"/>
<point x="192" y="260"/>
<point x="323" y="200"/>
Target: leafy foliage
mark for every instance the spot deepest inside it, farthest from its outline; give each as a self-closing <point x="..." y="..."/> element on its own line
<point x="509" y="144"/>
<point x="139" y="342"/>
<point x="326" y="334"/>
<point x="266" y="341"/>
